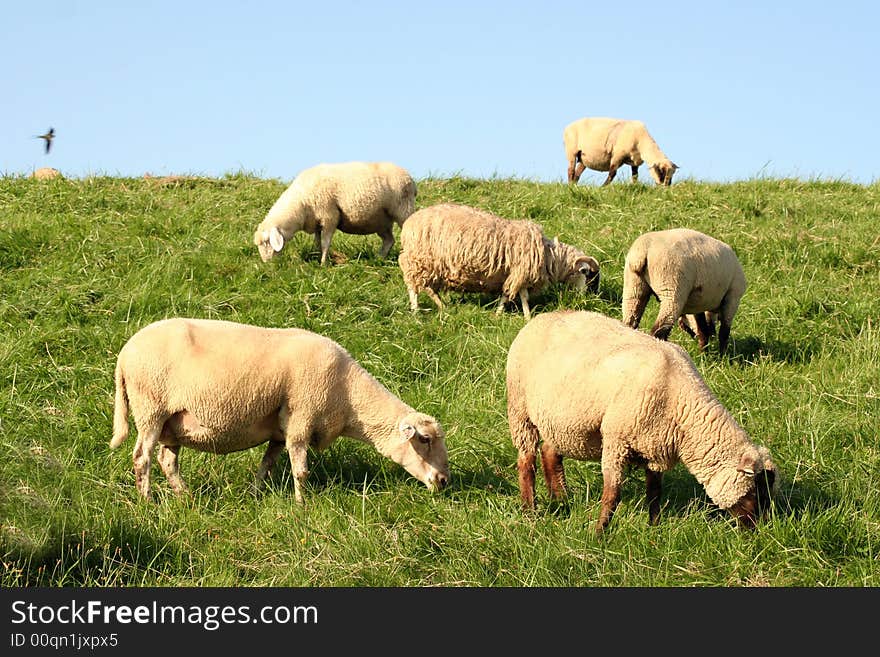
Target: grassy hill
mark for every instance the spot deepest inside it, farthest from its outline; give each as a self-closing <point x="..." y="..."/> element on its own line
<point x="85" y="263"/>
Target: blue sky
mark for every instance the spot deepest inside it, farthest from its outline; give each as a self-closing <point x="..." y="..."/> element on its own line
<point x="730" y="91"/>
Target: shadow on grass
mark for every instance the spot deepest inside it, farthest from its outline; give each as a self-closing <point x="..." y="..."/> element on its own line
<point x="347" y="469"/>
<point x="549" y="300"/>
<point x="792" y="500"/>
<point x="681" y="491"/>
<point x="798" y="498"/>
<point x="463" y="480"/>
<point x="351" y="470"/>
<point x="78" y="556"/>
<point x="366" y="251"/>
<point x="751" y="348"/>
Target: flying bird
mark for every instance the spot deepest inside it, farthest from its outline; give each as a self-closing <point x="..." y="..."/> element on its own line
<point x="49" y="136"/>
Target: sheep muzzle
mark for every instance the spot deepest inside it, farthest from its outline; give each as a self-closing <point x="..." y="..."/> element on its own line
<point x="754" y="506"/>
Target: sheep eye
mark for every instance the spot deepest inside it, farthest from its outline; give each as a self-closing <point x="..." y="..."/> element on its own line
<point x="424" y="439"/>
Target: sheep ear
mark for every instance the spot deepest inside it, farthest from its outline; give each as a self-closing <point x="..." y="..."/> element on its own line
<point x="674" y="166"/>
<point x="407" y="432"/>
<point x="764" y="455"/>
<point x="748" y="464"/>
<point x="587" y="265"/>
<point x="276" y="239"/>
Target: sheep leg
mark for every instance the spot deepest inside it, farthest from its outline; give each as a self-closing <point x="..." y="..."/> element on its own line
<point x="170" y="466"/>
<point x="723" y="336"/>
<point x="635" y="170"/>
<point x="636" y="294"/>
<point x="702" y="330"/>
<point x="524" y="300"/>
<point x="726" y="311"/>
<point x="525" y="464"/>
<point x="434" y="297"/>
<point x="612" y="171"/>
<point x="272" y="452"/>
<point x="413" y="299"/>
<point x="501" y="301"/>
<point x="326" y="236"/>
<point x="610" y="500"/>
<point x="387" y="242"/>
<point x="668" y="314"/>
<point x="525" y="438"/>
<point x="612" y="480"/>
<point x="634" y="307"/>
<point x="653" y="490"/>
<point x="575" y="168"/>
<point x="554" y="472"/>
<point x="298" y="452"/>
<point x="317" y="247"/>
<point x="148" y="437"/>
<point x="684" y="326"/>
<point x="710" y="323"/>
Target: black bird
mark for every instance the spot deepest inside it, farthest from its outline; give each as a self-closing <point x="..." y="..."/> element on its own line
<point x="49" y="136"/>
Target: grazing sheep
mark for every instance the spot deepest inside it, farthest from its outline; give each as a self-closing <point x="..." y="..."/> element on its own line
<point x="457" y="247"/>
<point x="688" y="273"/>
<point x="591" y="388"/>
<point x="220" y="387"/>
<point x="46" y="173"/>
<point x="359" y="198"/>
<point x="169" y="180"/>
<point x="605" y="144"/>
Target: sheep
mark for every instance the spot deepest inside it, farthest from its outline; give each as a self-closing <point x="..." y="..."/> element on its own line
<point x="458" y="247"/>
<point x="46" y="173"/>
<point x="165" y="181"/>
<point x="688" y="272"/>
<point x="590" y="388"/>
<point x="218" y="386"/>
<point x="359" y="198"/>
<point x="604" y="144"/>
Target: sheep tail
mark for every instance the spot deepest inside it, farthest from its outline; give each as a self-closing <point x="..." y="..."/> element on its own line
<point x="636" y="262"/>
<point x="407" y="202"/>
<point x="120" y="411"/>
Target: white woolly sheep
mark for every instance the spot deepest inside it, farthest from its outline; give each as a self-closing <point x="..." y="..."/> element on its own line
<point x="359" y="198"/>
<point x="46" y="173"/>
<point x="457" y="247"/>
<point x="604" y="144"/>
<point x="587" y="387"/>
<point x="220" y="387"/>
<point x="689" y="273"/>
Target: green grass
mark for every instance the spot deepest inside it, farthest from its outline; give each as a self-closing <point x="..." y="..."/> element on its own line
<point x="85" y="263"/>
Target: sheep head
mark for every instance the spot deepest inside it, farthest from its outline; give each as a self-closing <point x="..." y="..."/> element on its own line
<point x="662" y="172"/>
<point x="756" y="466"/>
<point x="269" y="242"/>
<point x="589" y="269"/>
<point x="420" y="447"/>
<point x="574" y="268"/>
